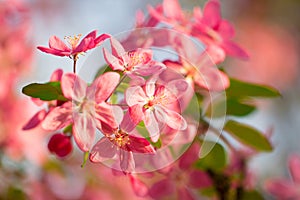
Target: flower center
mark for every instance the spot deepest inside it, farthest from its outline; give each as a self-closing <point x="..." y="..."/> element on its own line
<point x="120" y="138"/>
<point x="214" y="35"/>
<point x="73" y="40"/>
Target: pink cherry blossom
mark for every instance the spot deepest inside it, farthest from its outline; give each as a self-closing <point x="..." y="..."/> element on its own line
<point x="199" y="68"/>
<point x="88" y="108"/>
<point x="210" y="28"/>
<point x="284" y="189"/>
<point x="152" y="103"/>
<point x="137" y="62"/>
<point x="59" y="48"/>
<point x="121" y="143"/>
<point x="180" y="178"/>
<point x="172" y="15"/>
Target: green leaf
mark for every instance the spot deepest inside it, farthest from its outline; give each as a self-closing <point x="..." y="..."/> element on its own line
<point x="215" y="160"/>
<point x="248" y="135"/>
<point x="234" y="107"/>
<point x="250" y="195"/>
<point x="15" y="193"/>
<point x="105" y="68"/>
<point x="44" y="91"/>
<point x="243" y="89"/>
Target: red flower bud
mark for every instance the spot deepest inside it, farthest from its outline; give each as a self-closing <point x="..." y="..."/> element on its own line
<point x="60" y="145"/>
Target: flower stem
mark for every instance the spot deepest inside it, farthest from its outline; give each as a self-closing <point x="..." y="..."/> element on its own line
<point x="74" y="64"/>
<point x="121" y="80"/>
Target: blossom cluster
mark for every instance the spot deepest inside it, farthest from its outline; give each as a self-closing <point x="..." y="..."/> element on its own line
<point x="143" y="113"/>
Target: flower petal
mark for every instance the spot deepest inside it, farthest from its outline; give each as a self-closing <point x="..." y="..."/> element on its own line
<point x="282" y="189"/>
<point x="199" y="179"/>
<point x="73" y="87"/>
<point x="139" y="188"/>
<point x="101" y="38"/>
<point x="234" y="50"/>
<point x="152" y="125"/>
<point x="56" y="75"/>
<point x="54" y="51"/>
<point x="135" y="95"/>
<point x="105" y="114"/>
<point x="294" y="166"/>
<point x="211" y="13"/>
<point x="116" y="48"/>
<point x="150" y="69"/>
<point x="84" y="129"/>
<point x="127" y="163"/>
<point x="171" y="118"/>
<point x="104" y="149"/>
<point x="113" y="61"/>
<point x="136" y="113"/>
<point x="58" y="118"/>
<point x="103" y="86"/>
<point x="58" y="44"/>
<point x="35" y="120"/>
<point x="139" y="145"/>
<point x="172" y="9"/>
<point x="226" y="30"/>
<point x="162" y="189"/>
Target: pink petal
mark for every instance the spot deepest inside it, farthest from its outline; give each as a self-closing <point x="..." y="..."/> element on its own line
<point x="212" y="79"/>
<point x="84" y="129"/>
<point x="150" y="69"/>
<point x="171" y="118"/>
<point x="162" y="189"/>
<point x="103" y="150"/>
<point x="116" y="48"/>
<point x="56" y="75"/>
<point x="234" y="50"/>
<point x="35" y="120"/>
<point x="127" y="163"/>
<point x="113" y="61"/>
<point x="37" y="101"/>
<point x="152" y="125"/>
<point x="105" y="114"/>
<point x="189" y="157"/>
<point x="199" y="179"/>
<point x="73" y="87"/>
<point x="294" y="166"/>
<point x="140" y="145"/>
<point x="139" y="188"/>
<point x="177" y="87"/>
<point x="226" y="30"/>
<point x="54" y="51"/>
<point x="282" y="189"/>
<point x="103" y="86"/>
<point x="58" y="44"/>
<point x="177" y="66"/>
<point x="127" y="124"/>
<point x="173" y="10"/>
<point x="159" y="16"/>
<point x="211" y="13"/>
<point x="86" y="43"/>
<point x="136" y="113"/>
<point x="135" y="95"/>
<point x="58" y="118"/>
<point x="101" y="38"/>
<point x="197" y="13"/>
<point x="185" y="194"/>
<point x="150" y="87"/>
<point x="139" y="18"/>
